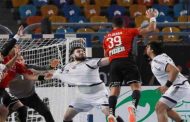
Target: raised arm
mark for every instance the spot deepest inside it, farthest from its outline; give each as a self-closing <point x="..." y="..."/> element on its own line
<point x="12" y="61"/>
<point x="35" y="77"/>
<point x="39" y="77"/>
<point x="7" y="47"/>
<point x="151" y="14"/>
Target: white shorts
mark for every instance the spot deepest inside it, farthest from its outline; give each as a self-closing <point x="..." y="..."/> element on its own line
<point x="175" y="93"/>
<point x="85" y="102"/>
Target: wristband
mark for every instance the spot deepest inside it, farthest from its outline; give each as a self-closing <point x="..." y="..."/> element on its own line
<point x="41" y="77"/>
<point x="168" y="83"/>
<point x="152" y="19"/>
<point x="16" y="37"/>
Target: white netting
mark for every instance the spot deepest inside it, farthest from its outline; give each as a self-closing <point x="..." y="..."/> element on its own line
<point x="54" y="93"/>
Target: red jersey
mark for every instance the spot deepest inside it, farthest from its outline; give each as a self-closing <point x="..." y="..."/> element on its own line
<point x="118" y="43"/>
<point x="11" y="73"/>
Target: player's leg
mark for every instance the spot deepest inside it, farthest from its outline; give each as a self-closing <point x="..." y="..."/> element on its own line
<point x="105" y="110"/>
<point x="3" y="113"/>
<point x="21" y="110"/>
<point x="132" y="78"/>
<point x="161" y="111"/>
<point x="15" y="105"/>
<point x="37" y="104"/>
<point x="69" y="114"/>
<point x="169" y="99"/>
<point x="115" y="82"/>
<point x="3" y="110"/>
<point x="116" y="79"/>
<point x="114" y="93"/>
<point x="77" y="106"/>
<point x="174" y="116"/>
<point x="136" y="87"/>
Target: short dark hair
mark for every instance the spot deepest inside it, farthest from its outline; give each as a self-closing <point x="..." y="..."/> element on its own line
<point x="157" y="47"/>
<point x="74" y="48"/>
<point x="118" y="22"/>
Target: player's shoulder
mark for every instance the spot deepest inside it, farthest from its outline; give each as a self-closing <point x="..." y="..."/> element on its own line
<point x="91" y="60"/>
<point x="162" y="59"/>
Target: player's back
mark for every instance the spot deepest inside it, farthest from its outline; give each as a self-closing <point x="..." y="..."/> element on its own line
<point x="118" y="43"/>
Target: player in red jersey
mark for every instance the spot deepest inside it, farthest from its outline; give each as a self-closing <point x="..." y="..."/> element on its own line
<point x="8" y="51"/>
<point x="118" y="47"/>
<point x="3" y="68"/>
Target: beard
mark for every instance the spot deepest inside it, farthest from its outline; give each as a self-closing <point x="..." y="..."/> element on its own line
<point x="80" y="58"/>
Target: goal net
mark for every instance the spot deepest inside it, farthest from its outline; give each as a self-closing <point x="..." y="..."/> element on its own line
<point x="55" y="94"/>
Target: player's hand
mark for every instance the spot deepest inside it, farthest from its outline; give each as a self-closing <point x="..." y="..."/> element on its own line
<point x="151" y="12"/>
<point x="17" y="51"/>
<point x="162" y="89"/>
<point x="20" y="31"/>
<point x="54" y="63"/>
<point x="48" y="76"/>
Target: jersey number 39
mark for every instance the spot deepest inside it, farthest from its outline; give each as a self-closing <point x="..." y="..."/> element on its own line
<point x="114" y="41"/>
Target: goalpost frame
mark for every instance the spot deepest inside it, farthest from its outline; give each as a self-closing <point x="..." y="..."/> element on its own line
<point x="51" y="36"/>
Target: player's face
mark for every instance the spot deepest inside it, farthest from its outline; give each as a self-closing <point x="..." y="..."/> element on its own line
<point x="21" y="60"/>
<point x="79" y="54"/>
<point x="148" y="50"/>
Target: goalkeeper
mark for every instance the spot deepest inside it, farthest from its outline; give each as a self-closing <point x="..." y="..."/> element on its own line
<point x="83" y="73"/>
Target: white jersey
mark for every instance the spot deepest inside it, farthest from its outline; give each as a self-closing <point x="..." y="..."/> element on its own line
<point x="2" y="68"/>
<point x="84" y="73"/>
<point x="158" y="67"/>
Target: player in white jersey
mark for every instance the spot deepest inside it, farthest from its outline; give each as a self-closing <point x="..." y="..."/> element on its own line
<point x="83" y="73"/>
<point x="174" y="85"/>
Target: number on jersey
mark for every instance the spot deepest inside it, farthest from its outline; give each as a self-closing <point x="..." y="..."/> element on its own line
<point x="114" y="41"/>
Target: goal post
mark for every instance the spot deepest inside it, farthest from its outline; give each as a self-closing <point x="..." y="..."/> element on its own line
<point x="39" y="50"/>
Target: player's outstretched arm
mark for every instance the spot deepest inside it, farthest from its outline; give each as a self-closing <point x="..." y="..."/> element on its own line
<point x="11" y="43"/>
<point x="53" y="64"/>
<point x="151" y="14"/>
<point x="104" y="61"/>
<point x="13" y="60"/>
<point x="34" y="77"/>
<point x="48" y="76"/>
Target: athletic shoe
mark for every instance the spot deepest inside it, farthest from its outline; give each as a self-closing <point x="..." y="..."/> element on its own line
<point x="131" y="117"/>
<point x="111" y="118"/>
